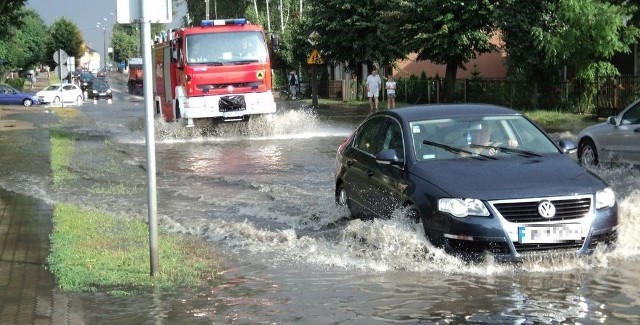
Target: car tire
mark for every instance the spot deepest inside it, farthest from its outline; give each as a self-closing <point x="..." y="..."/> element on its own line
<point x="79" y="99"/>
<point x="587" y="153"/>
<point x="412" y="213"/>
<point x="56" y="100"/>
<point x="27" y="102"/>
<point x="342" y="199"/>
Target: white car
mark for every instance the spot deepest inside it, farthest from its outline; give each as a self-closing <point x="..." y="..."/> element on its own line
<point x="61" y="93"/>
<point x="616" y="140"/>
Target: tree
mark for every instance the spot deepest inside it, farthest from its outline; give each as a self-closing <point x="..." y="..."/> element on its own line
<point x="355" y="32"/>
<point x="588" y="34"/>
<point x="525" y="59"/>
<point x="9" y="24"/>
<point x="65" y="35"/>
<point x="27" y="43"/>
<point x="448" y="32"/>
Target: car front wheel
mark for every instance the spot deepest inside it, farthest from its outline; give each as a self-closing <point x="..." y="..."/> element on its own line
<point x="342" y="199"/>
<point x="56" y="100"/>
<point x="588" y="154"/>
<point x="27" y="102"/>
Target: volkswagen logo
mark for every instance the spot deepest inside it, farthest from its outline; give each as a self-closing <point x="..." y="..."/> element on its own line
<point x="546" y="209"/>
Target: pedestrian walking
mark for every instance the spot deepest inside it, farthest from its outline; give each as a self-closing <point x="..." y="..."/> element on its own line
<point x="390" y="85"/>
<point x="373" y="90"/>
<point x="293" y="84"/>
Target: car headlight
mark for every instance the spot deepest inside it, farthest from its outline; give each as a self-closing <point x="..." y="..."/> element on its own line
<point x="463" y="207"/>
<point x="605" y="198"/>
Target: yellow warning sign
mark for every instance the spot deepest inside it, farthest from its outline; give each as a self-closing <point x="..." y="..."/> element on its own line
<point x="315" y="58"/>
<point x="260" y="74"/>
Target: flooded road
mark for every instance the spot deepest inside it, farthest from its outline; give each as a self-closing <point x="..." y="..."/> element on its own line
<point x="262" y="194"/>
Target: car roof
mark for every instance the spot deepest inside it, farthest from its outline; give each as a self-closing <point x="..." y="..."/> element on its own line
<point x="438" y="111"/>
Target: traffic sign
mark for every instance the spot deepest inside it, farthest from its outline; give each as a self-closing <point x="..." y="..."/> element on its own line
<point x="61" y="71"/>
<point x="60" y="56"/>
<point x="315" y="58"/>
<point x="314" y="38"/>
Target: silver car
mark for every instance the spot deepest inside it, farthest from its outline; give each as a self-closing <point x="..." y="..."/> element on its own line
<point x="615" y="141"/>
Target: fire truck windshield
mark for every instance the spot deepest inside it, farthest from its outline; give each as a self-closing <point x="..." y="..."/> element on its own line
<point x="230" y="48"/>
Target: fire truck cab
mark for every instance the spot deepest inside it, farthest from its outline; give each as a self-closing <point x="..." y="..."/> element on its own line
<point x="219" y="71"/>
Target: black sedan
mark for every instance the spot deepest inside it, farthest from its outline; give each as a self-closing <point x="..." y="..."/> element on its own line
<point x="99" y="88"/>
<point x="480" y="178"/>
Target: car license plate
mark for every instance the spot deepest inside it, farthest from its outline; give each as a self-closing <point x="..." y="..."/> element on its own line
<point x="550" y="234"/>
<point x="232" y="114"/>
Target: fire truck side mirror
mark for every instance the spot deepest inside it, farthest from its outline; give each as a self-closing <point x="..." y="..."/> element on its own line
<point x="275" y="41"/>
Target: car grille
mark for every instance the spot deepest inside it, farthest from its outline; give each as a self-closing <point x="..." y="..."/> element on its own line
<point x="527" y="211"/>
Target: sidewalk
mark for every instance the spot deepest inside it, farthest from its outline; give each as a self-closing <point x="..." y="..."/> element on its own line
<point x="28" y="293"/>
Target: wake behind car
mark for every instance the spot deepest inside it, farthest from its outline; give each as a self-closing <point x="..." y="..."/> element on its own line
<point x="480" y="178"/>
<point x="11" y="96"/>
<point x="615" y="141"/>
<point x="58" y="93"/>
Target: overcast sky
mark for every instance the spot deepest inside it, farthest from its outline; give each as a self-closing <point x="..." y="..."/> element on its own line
<point x="86" y="14"/>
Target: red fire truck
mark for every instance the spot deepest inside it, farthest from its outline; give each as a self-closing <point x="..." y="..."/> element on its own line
<point x="216" y="72"/>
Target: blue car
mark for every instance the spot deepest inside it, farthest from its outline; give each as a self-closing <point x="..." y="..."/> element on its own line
<point x="481" y="179"/>
<point x="11" y="96"/>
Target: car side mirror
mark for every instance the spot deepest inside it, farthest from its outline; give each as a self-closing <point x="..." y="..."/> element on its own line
<point x="389" y="157"/>
<point x="568" y="146"/>
<point x="612" y="120"/>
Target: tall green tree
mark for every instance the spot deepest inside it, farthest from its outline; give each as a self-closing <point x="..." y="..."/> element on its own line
<point x="27" y="43"/>
<point x="448" y="32"/>
<point x="525" y="59"/>
<point x="9" y="24"/>
<point x="355" y="32"/>
<point x="587" y="35"/>
<point x="65" y="35"/>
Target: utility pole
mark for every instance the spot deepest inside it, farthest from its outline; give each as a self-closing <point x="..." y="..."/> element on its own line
<point x="206" y="9"/>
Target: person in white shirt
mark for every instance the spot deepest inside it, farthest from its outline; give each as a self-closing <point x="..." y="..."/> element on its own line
<point x="390" y="85"/>
<point x="373" y="90"/>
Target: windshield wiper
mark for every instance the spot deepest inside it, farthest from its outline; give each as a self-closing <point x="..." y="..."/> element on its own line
<point x="520" y="152"/>
<point x="456" y="150"/>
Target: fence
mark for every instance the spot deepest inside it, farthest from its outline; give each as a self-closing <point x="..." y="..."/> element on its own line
<point x="604" y="97"/>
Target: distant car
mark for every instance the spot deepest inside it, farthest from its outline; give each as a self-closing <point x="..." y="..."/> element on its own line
<point x="99" y="88"/>
<point x="102" y="73"/>
<point x="615" y="141"/>
<point x="481" y="179"/>
<point x="58" y="93"/>
<point x="85" y="78"/>
<point x="11" y="96"/>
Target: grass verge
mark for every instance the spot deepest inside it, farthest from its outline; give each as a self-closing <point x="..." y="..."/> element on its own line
<point x="94" y="251"/>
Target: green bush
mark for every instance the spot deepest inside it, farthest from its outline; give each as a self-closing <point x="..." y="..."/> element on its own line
<point x="17" y="83"/>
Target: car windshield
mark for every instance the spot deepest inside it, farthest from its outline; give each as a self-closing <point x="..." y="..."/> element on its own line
<point x="239" y="48"/>
<point x="479" y="137"/>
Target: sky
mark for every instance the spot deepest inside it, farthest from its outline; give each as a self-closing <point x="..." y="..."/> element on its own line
<point x="86" y="14"/>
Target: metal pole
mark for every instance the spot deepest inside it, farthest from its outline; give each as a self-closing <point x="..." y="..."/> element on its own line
<point x="145" y="27"/>
<point x="104" y="49"/>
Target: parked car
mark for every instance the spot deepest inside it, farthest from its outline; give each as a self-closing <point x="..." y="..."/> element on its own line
<point x="99" y="88"/>
<point x="615" y="141"/>
<point x="480" y="178"/>
<point x="11" y="96"/>
<point x="57" y="93"/>
<point x="85" y="78"/>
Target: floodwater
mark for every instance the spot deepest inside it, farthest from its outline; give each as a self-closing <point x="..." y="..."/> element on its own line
<point x="262" y="194"/>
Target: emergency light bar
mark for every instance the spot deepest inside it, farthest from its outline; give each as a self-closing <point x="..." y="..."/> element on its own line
<point x="222" y="22"/>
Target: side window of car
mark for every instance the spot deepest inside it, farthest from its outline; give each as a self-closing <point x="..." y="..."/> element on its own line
<point x="366" y="139"/>
<point x="632" y="116"/>
<point x="393" y="138"/>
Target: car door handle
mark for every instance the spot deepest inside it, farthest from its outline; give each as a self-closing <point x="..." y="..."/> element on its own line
<point x="370" y="173"/>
